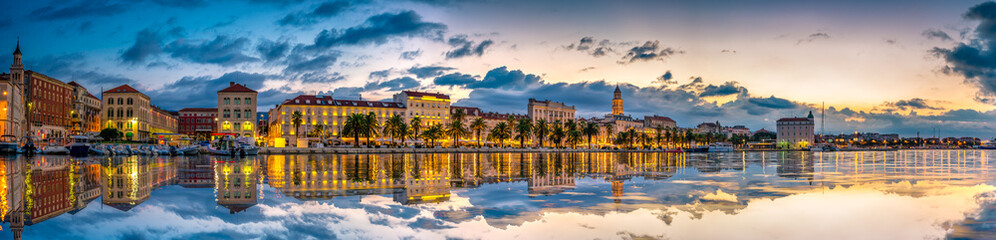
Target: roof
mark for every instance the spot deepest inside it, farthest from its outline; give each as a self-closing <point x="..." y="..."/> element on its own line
<point x="707" y="124"/>
<point x="17" y="50"/>
<point x="617" y="88"/>
<point x="123" y="89"/>
<point x="424" y="94"/>
<point x="73" y="83"/>
<point x="199" y="110"/>
<point x="90" y="95"/>
<point x="501" y="116"/>
<point x="793" y="119"/>
<point x="470" y="111"/>
<point x="233" y="87"/>
<point x="655" y="117"/>
<point x="329" y="101"/>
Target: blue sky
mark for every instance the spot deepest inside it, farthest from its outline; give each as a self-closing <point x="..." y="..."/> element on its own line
<point x="886" y="66"/>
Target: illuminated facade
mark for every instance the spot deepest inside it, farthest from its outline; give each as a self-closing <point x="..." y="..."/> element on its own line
<point x="617" y="102"/>
<point x="12" y="121"/>
<point x="126" y="182"/>
<point x="236" y="111"/>
<point x="198" y="123"/>
<point x="323" y="110"/>
<point x="549" y="110"/>
<point x="796" y="132"/>
<point x="50" y="105"/>
<point x="130" y="111"/>
<point x="235" y="184"/>
<point x="432" y="108"/>
<point x="86" y="110"/>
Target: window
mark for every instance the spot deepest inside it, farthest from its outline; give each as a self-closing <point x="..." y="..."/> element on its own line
<point x="248" y="101"/>
<point x="110" y="112"/>
<point x="227" y="114"/>
<point x="238" y="113"/>
<point x="130" y="101"/>
<point x="129" y="112"/>
<point x="237" y="100"/>
<point x="110" y="101"/>
<point x="248" y="113"/>
<point x="120" y="101"/>
<point x="227" y="101"/>
<point x="247" y="127"/>
<point x="120" y="112"/>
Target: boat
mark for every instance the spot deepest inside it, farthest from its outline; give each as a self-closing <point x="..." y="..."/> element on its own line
<point x="721" y="147"/>
<point x="8" y="144"/>
<point x="248" y="149"/>
<point x="55" y="150"/>
<point x="987" y="145"/>
<point x="189" y="150"/>
<point x="678" y="150"/>
<point x="98" y="150"/>
<point x="79" y="145"/>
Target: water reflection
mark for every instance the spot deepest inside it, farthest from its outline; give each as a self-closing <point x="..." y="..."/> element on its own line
<point x="506" y="195"/>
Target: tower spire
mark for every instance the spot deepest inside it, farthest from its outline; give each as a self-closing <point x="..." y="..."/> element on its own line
<point x="17" y="49"/>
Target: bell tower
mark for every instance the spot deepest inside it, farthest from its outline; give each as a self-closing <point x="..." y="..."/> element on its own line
<point x="617" y="102"/>
<point x="16" y="68"/>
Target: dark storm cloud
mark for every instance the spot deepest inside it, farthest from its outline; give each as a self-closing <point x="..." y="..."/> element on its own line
<point x="772" y="102"/>
<point x="588" y="45"/>
<point x="396" y="84"/>
<point x="272" y="51"/>
<point x="379" y="29"/>
<point x="79" y="9"/>
<point x="649" y="51"/>
<point x="148" y="42"/>
<point x="728" y="88"/>
<point x="936" y="34"/>
<point x="73" y="67"/>
<point x="462" y="47"/>
<point x="428" y="71"/>
<point x="813" y="37"/>
<point x="323" y="11"/>
<point x="975" y="60"/>
<point x="222" y="51"/>
<point x="411" y="55"/>
<point x="500" y="78"/>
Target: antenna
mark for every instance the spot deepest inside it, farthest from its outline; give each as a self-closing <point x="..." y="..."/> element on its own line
<point x="823" y="110"/>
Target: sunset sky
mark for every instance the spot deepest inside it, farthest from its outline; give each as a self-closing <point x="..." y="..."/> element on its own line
<point x="889" y="66"/>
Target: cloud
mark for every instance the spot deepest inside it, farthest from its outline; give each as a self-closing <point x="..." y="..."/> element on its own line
<point x="411" y="55"/>
<point x="396" y="84"/>
<point x="586" y="69"/>
<point x="323" y="11"/>
<point x="378" y="29"/>
<point x="466" y="48"/>
<point x="380" y="74"/>
<point x="813" y="37"/>
<point x="588" y="45"/>
<point x="499" y="77"/>
<point x="428" y="71"/>
<point x="666" y="79"/>
<point x="728" y="51"/>
<point x="728" y="88"/>
<point x="222" y="51"/>
<point x="936" y="34"/>
<point x="913" y="103"/>
<point x="79" y="9"/>
<point x="454" y="79"/>
<point x="148" y="43"/>
<point x="975" y="60"/>
<point x="318" y="63"/>
<point x="271" y="51"/>
<point x="202" y="91"/>
<point x="73" y="67"/>
<point x="649" y="51"/>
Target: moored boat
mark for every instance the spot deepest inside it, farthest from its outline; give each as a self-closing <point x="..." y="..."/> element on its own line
<point x="8" y="144"/>
<point x="79" y="145"/>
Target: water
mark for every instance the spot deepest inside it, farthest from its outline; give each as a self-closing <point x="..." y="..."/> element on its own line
<point x="757" y="195"/>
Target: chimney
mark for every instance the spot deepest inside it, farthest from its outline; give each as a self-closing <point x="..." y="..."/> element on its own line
<point x="231" y="84"/>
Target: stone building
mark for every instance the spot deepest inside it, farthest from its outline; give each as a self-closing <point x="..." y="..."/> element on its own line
<point x="432" y="108"/>
<point x="130" y="111"/>
<point x="236" y="111"/>
<point x="795" y="131"/>
<point x="549" y="110"/>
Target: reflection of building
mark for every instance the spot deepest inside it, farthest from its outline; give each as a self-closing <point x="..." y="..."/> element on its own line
<point x="127" y="182"/>
<point x="424" y="184"/>
<point x="198" y="123"/>
<point x="130" y="111"/>
<point x="236" y="111"/>
<point x="13" y="189"/>
<point x="549" y="110"/>
<point x="195" y="172"/>
<point x="49" y="190"/>
<point x="796" y="132"/>
<point x="87" y="184"/>
<point x="235" y="184"/>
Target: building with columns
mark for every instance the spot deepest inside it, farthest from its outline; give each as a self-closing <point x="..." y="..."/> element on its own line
<point x="549" y="110"/>
<point x="237" y="111"/>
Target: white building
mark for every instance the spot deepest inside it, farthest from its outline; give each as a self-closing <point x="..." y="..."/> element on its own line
<point x="796" y="132"/>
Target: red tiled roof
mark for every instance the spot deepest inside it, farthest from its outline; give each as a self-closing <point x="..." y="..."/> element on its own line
<point x="90" y="95"/>
<point x="793" y="119"/>
<point x="470" y="111"/>
<point x="199" y="110"/>
<point x="123" y="89"/>
<point x="233" y="87"/>
<point x="422" y="94"/>
<point x="73" y="83"/>
<point x="655" y="117"/>
<point x="329" y="101"/>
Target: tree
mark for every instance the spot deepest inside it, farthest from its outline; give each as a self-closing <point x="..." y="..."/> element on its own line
<point x="354" y="127"/>
<point x="609" y="127"/>
<point x="394" y="127"/>
<point x="500" y="133"/>
<point x="523" y="129"/>
<point x="455" y="128"/>
<point x="432" y="133"/>
<point x="557" y="134"/>
<point x="110" y="134"/>
<point x="296" y="118"/>
<point x="590" y="129"/>
<point x="541" y="130"/>
<point x="415" y="126"/>
<point x="370" y="127"/>
<point x="477" y="126"/>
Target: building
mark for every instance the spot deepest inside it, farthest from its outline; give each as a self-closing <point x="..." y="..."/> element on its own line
<point x="130" y="111"/>
<point x="431" y="108"/>
<point x="617" y="102"/>
<point x="659" y="122"/>
<point x="708" y="127"/>
<point x="86" y="110"/>
<point x="49" y="105"/>
<point x="795" y="132"/>
<point x="198" y="123"/>
<point x="236" y="111"/>
<point x="325" y="111"/>
<point x="12" y="121"/>
<point x="738" y="130"/>
<point x="262" y="123"/>
<point x="549" y="110"/>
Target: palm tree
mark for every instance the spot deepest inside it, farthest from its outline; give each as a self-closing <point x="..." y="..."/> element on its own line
<point x="416" y="128"/>
<point x="477" y="126"/>
<point x="296" y="119"/>
<point x="523" y="129"/>
<point x="574" y="137"/>
<point x="541" y="130"/>
<point x="370" y="126"/>
<point x="501" y="133"/>
<point x="432" y="133"/>
<point x="354" y="127"/>
<point x="393" y="127"/>
<point x="456" y="129"/>
<point x="558" y="133"/>
<point x="609" y="127"/>
<point x="590" y="129"/>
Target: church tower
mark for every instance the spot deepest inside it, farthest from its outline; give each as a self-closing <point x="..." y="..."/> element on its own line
<point x="617" y="102"/>
<point x="16" y="68"/>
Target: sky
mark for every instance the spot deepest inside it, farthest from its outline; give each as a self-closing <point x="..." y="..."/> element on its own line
<point x="905" y="67"/>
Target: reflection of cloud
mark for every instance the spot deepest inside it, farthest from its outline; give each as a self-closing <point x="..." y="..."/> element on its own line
<point x="720" y="196"/>
<point x="156" y="222"/>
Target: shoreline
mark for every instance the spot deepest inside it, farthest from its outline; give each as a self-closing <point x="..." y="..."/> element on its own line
<point x="344" y="150"/>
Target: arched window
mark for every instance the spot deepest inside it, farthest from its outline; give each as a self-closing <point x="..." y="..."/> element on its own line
<point x="110" y="112"/>
<point x="248" y="101"/>
<point x="130" y="101"/>
<point x="228" y="101"/>
<point x="129" y="112"/>
<point x="237" y="101"/>
<point x="238" y="113"/>
<point x="110" y="101"/>
<point x="120" y="112"/>
<point x="248" y="113"/>
<point x="120" y="101"/>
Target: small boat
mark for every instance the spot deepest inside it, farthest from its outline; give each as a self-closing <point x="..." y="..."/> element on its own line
<point x="721" y="147"/>
<point x="55" y="150"/>
<point x="189" y="150"/>
<point x="678" y="150"/>
<point x="97" y="150"/>
<point x="988" y="145"/>
<point x="8" y="144"/>
<point x="248" y="149"/>
<point x="79" y="145"/>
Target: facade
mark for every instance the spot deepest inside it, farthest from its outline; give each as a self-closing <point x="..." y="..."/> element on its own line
<point x="549" y="110"/>
<point x="236" y="111"/>
<point x="708" y="127"/>
<point x="12" y="118"/>
<point x="130" y="111"/>
<point x="431" y="108"/>
<point x="617" y="102"/>
<point x="659" y="122"/>
<point x="796" y="132"/>
<point x="86" y="110"/>
<point x="326" y="111"/>
<point x="738" y="130"/>
<point x="49" y="105"/>
<point x="198" y="123"/>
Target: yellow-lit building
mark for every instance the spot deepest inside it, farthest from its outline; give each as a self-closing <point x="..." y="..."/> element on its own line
<point x="549" y="110"/>
<point x="432" y="108"/>
<point x="12" y="121"/>
<point x="236" y="111"/>
<point x="127" y="182"/>
<point x="131" y="112"/>
<point x="322" y="110"/>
